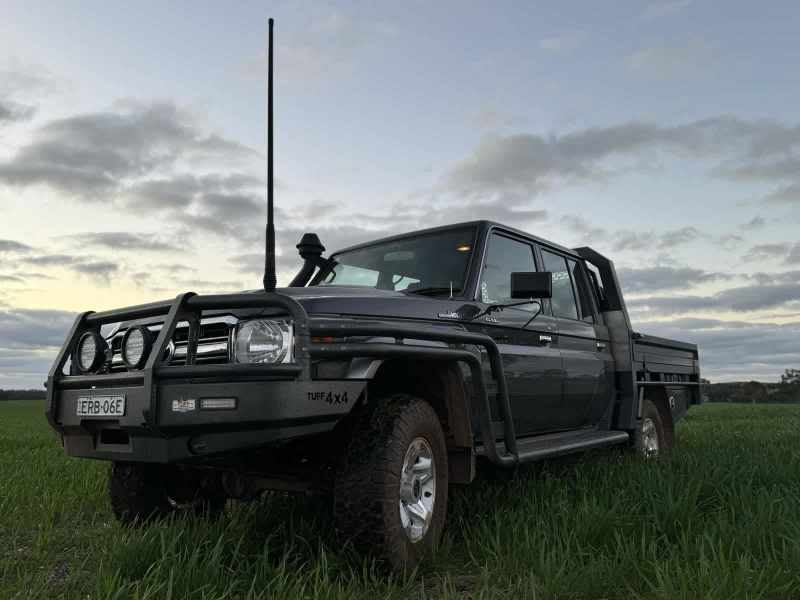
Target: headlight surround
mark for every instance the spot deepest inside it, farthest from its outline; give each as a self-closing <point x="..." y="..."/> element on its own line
<point x="265" y="341"/>
<point x="90" y="353"/>
<point x="136" y="345"/>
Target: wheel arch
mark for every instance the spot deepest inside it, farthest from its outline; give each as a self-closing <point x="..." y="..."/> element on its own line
<point x="658" y="396"/>
<point x="443" y="385"/>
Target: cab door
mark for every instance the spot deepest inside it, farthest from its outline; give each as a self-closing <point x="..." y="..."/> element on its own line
<point x="586" y="357"/>
<point x="531" y="358"/>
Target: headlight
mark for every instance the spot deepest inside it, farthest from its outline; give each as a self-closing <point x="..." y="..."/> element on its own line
<point x="90" y="352"/>
<point x="264" y="341"/>
<point x="136" y="347"/>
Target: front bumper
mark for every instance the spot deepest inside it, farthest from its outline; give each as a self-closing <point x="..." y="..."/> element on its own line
<point x="265" y="412"/>
<point x="272" y="402"/>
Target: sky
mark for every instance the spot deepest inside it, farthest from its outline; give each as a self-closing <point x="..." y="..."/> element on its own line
<point x="664" y="133"/>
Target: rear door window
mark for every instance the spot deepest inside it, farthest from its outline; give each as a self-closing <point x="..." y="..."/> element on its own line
<point x="563" y="301"/>
<point x="581" y="287"/>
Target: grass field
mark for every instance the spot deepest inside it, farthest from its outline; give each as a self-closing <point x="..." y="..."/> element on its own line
<point x="720" y="518"/>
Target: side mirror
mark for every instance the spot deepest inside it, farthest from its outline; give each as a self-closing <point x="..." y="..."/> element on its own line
<point x="532" y="285"/>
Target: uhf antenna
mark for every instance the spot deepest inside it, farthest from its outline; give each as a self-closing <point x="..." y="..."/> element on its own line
<point x="269" y="257"/>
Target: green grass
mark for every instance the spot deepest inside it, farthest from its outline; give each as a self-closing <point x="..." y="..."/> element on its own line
<point x="720" y="518"/>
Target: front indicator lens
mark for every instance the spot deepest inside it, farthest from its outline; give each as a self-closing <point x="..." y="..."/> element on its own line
<point x="217" y="403"/>
<point x="264" y="341"/>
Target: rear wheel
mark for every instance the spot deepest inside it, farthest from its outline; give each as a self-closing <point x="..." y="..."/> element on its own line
<point x="140" y="492"/>
<point x="649" y="439"/>
<point x="390" y="492"/>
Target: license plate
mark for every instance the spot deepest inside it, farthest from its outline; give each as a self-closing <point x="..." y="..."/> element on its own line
<point x="101" y="406"/>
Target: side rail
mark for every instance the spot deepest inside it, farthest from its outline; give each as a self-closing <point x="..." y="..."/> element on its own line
<point x="186" y="307"/>
<point x="398" y="349"/>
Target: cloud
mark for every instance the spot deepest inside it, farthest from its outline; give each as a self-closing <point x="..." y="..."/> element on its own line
<point x="11" y="279"/>
<point x="756" y="222"/>
<point x="788" y="252"/>
<point x="12" y="111"/>
<point x="657" y="10"/>
<point x="523" y="165"/>
<point x="738" y="299"/>
<point x="687" y="57"/>
<point x="788" y="194"/>
<point x="735" y="350"/>
<point x="11" y="246"/>
<point x="624" y="239"/>
<point x="771" y="278"/>
<point x="33" y="329"/>
<point x="653" y="279"/>
<point x="563" y="42"/>
<point x="122" y="240"/>
<point x="29" y="340"/>
<point x="99" y="270"/>
<point x="91" y="156"/>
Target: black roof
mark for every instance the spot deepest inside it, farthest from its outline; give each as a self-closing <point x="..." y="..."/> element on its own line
<point x="482" y="224"/>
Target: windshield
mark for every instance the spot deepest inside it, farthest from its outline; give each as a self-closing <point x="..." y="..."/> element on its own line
<point x="432" y="263"/>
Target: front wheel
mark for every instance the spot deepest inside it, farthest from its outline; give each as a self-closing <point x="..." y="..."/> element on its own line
<point x="390" y="492"/>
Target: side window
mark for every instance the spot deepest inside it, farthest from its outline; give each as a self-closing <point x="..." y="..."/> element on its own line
<point x="597" y="285"/>
<point x="587" y="312"/>
<point x="563" y="300"/>
<point x="504" y="256"/>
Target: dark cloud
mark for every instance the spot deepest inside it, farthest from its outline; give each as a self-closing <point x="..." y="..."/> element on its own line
<point x="770" y="278"/>
<point x="29" y="340"/>
<point x="9" y="246"/>
<point x="33" y="329"/>
<point x="91" y="156"/>
<point x="98" y="270"/>
<point x="180" y="191"/>
<point x="25" y="369"/>
<point x="11" y="279"/>
<point x="52" y="260"/>
<point x="655" y="279"/>
<point x="530" y="163"/>
<point x="787" y="252"/>
<point x="738" y="299"/>
<point x="624" y="239"/>
<point x="11" y="112"/>
<point x="123" y="240"/>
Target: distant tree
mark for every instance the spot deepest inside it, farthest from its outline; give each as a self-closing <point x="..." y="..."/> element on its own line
<point x="752" y="392"/>
<point x="791" y="377"/>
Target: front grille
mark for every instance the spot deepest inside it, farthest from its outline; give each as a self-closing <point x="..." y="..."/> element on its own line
<point x="213" y="345"/>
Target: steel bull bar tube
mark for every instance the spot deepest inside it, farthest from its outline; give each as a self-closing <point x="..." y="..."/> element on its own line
<point x="185" y="307"/>
<point x="449" y="336"/>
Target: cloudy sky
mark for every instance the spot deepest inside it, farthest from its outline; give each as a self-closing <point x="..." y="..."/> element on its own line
<point x="665" y="134"/>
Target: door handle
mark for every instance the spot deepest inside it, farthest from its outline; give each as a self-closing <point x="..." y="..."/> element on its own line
<point x="601" y="346"/>
<point x="546" y="339"/>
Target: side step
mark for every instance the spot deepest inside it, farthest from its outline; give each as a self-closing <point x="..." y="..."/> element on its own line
<point x="548" y="445"/>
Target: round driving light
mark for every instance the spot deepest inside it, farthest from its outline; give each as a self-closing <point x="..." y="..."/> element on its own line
<point x="91" y="352"/>
<point x="262" y="341"/>
<point x="136" y="347"/>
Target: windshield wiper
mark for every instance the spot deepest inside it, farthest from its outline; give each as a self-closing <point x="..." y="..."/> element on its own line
<point x="431" y="291"/>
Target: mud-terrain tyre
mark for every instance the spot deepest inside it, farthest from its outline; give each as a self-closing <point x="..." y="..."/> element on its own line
<point x="650" y="439"/>
<point x="390" y="490"/>
<point x="138" y="493"/>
